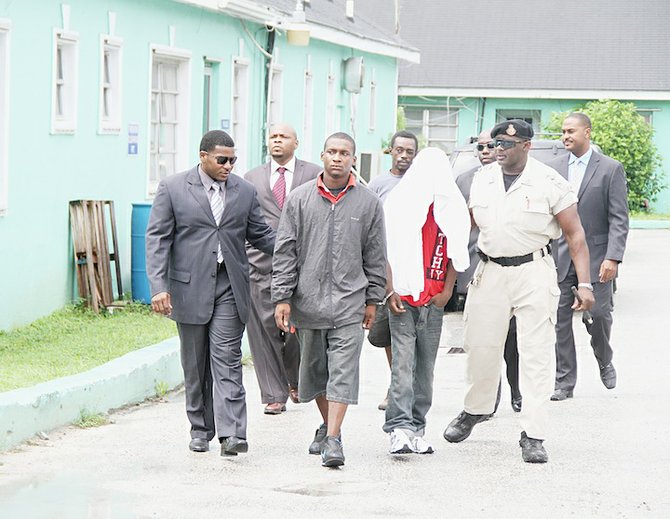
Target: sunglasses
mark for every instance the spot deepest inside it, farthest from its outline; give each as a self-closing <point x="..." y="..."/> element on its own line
<point x="220" y="159"/>
<point x="489" y="145"/>
<point x="506" y="145"/>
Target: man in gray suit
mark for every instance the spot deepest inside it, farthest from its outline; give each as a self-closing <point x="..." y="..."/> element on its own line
<point x="276" y="354"/>
<point x="199" y="276"/>
<point x="600" y="184"/>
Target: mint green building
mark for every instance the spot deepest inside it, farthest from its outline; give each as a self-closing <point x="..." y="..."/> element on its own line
<point x="485" y="63"/>
<point x="100" y="100"/>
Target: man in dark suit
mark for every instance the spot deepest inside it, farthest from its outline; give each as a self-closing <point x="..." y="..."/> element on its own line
<point x="276" y="355"/>
<point x="600" y="184"/>
<point x="199" y="276"/>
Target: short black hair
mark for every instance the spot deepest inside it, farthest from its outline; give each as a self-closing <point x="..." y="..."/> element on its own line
<point x="404" y="134"/>
<point x="216" y="138"/>
<point x="583" y="118"/>
<point x="343" y="136"/>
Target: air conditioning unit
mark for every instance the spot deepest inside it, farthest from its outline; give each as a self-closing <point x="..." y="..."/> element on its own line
<point x="353" y="75"/>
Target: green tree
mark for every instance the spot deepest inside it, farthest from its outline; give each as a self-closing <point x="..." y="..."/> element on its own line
<point x="624" y="135"/>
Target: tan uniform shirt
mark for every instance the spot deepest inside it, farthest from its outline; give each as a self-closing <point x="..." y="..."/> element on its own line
<point x="521" y="220"/>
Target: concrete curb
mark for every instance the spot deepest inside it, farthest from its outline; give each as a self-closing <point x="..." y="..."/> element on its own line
<point x="129" y="379"/>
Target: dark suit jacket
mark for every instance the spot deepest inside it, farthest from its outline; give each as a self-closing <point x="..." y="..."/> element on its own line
<point x="603" y="210"/>
<point x="181" y="244"/>
<point x="260" y="263"/>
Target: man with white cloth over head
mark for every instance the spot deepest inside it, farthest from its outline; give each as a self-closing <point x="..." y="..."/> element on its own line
<point x="428" y="226"/>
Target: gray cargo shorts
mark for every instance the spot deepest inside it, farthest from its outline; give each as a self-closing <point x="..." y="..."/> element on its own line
<point x="329" y="363"/>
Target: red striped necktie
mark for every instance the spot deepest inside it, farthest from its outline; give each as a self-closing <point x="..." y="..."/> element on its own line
<point x="279" y="189"/>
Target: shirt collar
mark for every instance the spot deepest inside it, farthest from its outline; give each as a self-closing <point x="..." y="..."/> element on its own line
<point x="206" y="180"/>
<point x="290" y="165"/>
<point x="325" y="192"/>
<point x="583" y="159"/>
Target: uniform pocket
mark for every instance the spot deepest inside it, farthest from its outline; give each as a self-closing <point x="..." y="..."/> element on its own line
<point x="181" y="276"/>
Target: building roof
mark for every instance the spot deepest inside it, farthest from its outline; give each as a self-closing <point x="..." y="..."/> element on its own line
<point x="571" y="45"/>
<point x="371" y="29"/>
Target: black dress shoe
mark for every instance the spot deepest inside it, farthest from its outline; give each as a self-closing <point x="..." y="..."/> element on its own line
<point x="608" y="375"/>
<point x="332" y="454"/>
<point x="561" y="394"/>
<point x="461" y="426"/>
<point x="532" y="450"/>
<point x="516" y="403"/>
<point x="199" y="445"/>
<point x="232" y="446"/>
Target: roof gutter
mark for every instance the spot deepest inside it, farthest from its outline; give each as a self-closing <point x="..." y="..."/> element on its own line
<point x="535" y="93"/>
<point x="253" y="12"/>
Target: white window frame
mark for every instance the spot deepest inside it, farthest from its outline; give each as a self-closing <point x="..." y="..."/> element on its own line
<point x="65" y="81"/>
<point x="110" y="88"/>
<point x="275" y="104"/>
<point x="448" y="144"/>
<point x="647" y="114"/>
<point x="5" y="27"/>
<point x="372" y="120"/>
<point x="171" y="56"/>
<point x="239" y="110"/>
<point x="307" y="115"/>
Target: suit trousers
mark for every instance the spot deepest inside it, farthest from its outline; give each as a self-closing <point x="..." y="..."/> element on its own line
<point x="211" y="357"/>
<point x="530" y="293"/>
<point x="276" y="360"/>
<point x="600" y="330"/>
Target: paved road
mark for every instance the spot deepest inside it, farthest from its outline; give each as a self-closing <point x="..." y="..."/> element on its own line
<point x="609" y="454"/>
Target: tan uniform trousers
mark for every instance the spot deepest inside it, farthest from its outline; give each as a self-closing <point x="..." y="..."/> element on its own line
<point x="530" y="293"/>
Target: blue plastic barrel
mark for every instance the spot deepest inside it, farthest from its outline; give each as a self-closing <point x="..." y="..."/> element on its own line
<point x="138" y="266"/>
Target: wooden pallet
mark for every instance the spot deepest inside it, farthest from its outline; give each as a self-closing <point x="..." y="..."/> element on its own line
<point x="92" y="255"/>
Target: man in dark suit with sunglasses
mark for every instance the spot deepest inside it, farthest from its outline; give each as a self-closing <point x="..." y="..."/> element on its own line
<point x="486" y="154"/>
<point x="199" y="276"/>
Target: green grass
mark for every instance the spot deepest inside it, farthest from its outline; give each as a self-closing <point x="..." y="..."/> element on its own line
<point x="75" y="339"/>
<point x="87" y="419"/>
<point x="649" y="216"/>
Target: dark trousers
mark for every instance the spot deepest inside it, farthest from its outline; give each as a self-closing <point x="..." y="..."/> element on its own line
<point x="211" y="356"/>
<point x="600" y="330"/>
<point x="276" y="359"/>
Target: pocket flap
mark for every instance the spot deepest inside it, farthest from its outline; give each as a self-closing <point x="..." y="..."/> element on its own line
<point x="179" y="275"/>
<point x="600" y="239"/>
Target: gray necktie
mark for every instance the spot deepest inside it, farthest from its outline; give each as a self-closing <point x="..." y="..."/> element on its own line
<point x="216" y="203"/>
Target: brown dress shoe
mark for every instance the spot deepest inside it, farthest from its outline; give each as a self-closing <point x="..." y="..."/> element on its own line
<point x="274" y="408"/>
<point x="293" y="394"/>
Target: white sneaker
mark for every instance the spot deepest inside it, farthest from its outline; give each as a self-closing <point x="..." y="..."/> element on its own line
<point x="400" y="442"/>
<point x="421" y="446"/>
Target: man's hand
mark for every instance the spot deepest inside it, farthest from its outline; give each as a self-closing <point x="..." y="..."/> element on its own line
<point x="441" y="299"/>
<point x="161" y="303"/>
<point x="395" y="304"/>
<point x="369" y="317"/>
<point x="282" y="316"/>
<point x="587" y="300"/>
<point x="608" y="270"/>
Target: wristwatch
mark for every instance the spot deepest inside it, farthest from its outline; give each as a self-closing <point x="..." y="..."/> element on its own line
<point x="588" y="286"/>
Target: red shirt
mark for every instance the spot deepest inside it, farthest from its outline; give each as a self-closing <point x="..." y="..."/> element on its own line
<point x="435" y="261"/>
<point x="325" y="193"/>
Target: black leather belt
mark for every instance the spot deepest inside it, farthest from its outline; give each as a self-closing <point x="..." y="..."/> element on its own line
<point x="515" y="261"/>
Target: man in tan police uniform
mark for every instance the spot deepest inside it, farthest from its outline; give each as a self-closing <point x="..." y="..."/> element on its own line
<point x="519" y="205"/>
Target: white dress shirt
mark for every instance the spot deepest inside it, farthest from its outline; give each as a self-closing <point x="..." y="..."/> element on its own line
<point x="577" y="168"/>
<point x="288" y="174"/>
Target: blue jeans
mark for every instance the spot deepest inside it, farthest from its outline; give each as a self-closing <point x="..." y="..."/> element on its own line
<point x="415" y="338"/>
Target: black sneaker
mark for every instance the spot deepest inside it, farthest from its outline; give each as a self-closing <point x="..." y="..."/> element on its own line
<point x="332" y="454"/>
<point x="319" y="436"/>
<point x="461" y="426"/>
<point x="532" y="450"/>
